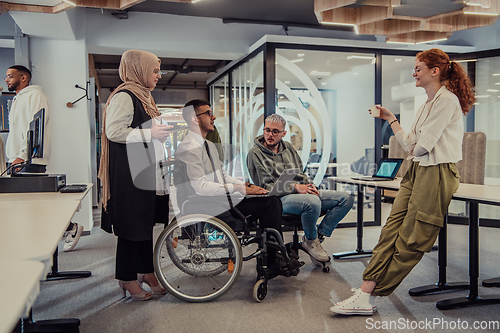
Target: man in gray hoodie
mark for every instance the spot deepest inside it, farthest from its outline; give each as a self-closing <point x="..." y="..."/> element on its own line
<point x="267" y="160"/>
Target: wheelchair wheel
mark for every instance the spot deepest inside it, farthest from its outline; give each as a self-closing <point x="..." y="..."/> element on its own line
<point x="198" y="258"/>
<point x="260" y="290"/>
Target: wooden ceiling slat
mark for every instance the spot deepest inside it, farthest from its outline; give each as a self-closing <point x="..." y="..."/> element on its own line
<point x="124" y="4"/>
<point x="384" y="3"/>
<point x="389" y="27"/>
<point x="324" y="5"/>
<point x="376" y="17"/>
<point x="340" y="15"/>
<point x="365" y="15"/>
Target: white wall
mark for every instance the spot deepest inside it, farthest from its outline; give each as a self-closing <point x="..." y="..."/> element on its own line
<point x="171" y="35"/>
<point x="57" y="66"/>
<point x="6" y="60"/>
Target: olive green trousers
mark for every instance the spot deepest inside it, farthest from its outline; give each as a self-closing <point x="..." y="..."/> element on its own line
<point x="411" y="229"/>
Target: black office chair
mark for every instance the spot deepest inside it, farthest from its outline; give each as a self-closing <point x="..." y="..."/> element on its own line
<point x="293" y="221"/>
<point x="198" y="256"/>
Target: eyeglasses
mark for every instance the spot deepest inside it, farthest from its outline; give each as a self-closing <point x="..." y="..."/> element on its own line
<point x="274" y="131"/>
<point x="10" y="76"/>
<point x="417" y="70"/>
<point x="209" y="112"/>
<point x="158" y="72"/>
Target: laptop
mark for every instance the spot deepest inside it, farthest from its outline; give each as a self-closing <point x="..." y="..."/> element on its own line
<point x="279" y="188"/>
<point x="387" y="169"/>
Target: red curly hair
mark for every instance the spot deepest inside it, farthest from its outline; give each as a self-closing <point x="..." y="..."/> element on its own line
<point x="455" y="78"/>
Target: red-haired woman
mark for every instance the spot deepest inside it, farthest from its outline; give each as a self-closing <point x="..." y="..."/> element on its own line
<point x="417" y="215"/>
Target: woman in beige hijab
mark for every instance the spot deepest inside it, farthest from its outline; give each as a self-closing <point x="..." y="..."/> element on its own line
<point x="133" y="198"/>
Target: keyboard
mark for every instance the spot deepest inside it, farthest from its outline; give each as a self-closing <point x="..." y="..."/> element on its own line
<point x="73" y="188"/>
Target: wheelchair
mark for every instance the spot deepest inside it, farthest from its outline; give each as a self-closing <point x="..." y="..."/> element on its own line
<point x="198" y="257"/>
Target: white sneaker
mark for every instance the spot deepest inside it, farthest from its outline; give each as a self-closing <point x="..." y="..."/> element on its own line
<point x="357" y="304"/>
<point x="72" y="237"/>
<point x="314" y="248"/>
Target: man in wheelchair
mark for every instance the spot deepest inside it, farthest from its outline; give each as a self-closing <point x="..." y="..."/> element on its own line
<point x="210" y="190"/>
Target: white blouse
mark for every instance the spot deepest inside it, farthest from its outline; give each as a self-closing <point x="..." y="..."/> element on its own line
<point x="119" y="116"/>
<point x="438" y="128"/>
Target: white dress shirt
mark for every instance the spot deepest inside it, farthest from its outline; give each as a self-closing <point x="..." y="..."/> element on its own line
<point x="193" y="153"/>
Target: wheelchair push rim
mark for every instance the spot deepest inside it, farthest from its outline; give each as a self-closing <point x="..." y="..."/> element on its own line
<point x="198" y="258"/>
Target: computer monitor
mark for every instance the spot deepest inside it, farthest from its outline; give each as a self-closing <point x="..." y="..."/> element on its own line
<point x="34" y="145"/>
<point x="35" y="136"/>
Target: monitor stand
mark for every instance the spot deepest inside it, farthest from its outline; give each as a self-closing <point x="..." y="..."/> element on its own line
<point x="15" y="173"/>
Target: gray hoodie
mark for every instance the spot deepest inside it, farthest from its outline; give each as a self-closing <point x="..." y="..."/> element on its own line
<point x="265" y="166"/>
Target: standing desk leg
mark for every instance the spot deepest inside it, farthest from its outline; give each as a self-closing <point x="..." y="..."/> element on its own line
<point x="495" y="282"/>
<point x="473" y="298"/>
<point x="359" y="228"/>
<point x="70" y="325"/>
<point x="442" y="285"/>
<point x="56" y="275"/>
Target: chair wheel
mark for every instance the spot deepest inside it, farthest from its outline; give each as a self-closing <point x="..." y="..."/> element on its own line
<point x="316" y="262"/>
<point x="260" y="290"/>
<point x="326" y="269"/>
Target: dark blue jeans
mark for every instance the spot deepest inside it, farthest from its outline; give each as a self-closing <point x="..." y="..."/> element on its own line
<point x="309" y="206"/>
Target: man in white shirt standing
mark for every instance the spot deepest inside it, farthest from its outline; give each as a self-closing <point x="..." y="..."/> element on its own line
<point x="29" y="100"/>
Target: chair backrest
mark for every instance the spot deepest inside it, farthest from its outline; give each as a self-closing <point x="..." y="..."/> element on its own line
<point x="471" y="167"/>
<point x="2" y="155"/>
<point x="396" y="151"/>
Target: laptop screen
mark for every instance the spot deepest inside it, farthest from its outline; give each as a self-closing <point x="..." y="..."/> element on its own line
<point x="388" y="168"/>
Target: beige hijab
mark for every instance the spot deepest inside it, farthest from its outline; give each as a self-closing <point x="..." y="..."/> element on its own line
<point x="135" y="70"/>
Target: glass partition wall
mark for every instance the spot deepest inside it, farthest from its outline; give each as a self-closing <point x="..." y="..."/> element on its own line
<point x="247" y="110"/>
<point x="320" y="93"/>
<point x="324" y="95"/>
<point x="486" y="118"/>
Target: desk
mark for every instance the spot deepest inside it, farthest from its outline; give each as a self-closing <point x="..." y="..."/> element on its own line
<point x="52" y="211"/>
<point x="16" y="302"/>
<point x="474" y="195"/>
<point x="45" y="196"/>
<point x="36" y="228"/>
<point x="361" y="184"/>
<point x="40" y="219"/>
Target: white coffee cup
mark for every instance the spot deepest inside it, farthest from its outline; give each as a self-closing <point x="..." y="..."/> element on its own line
<point x="375" y="111"/>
